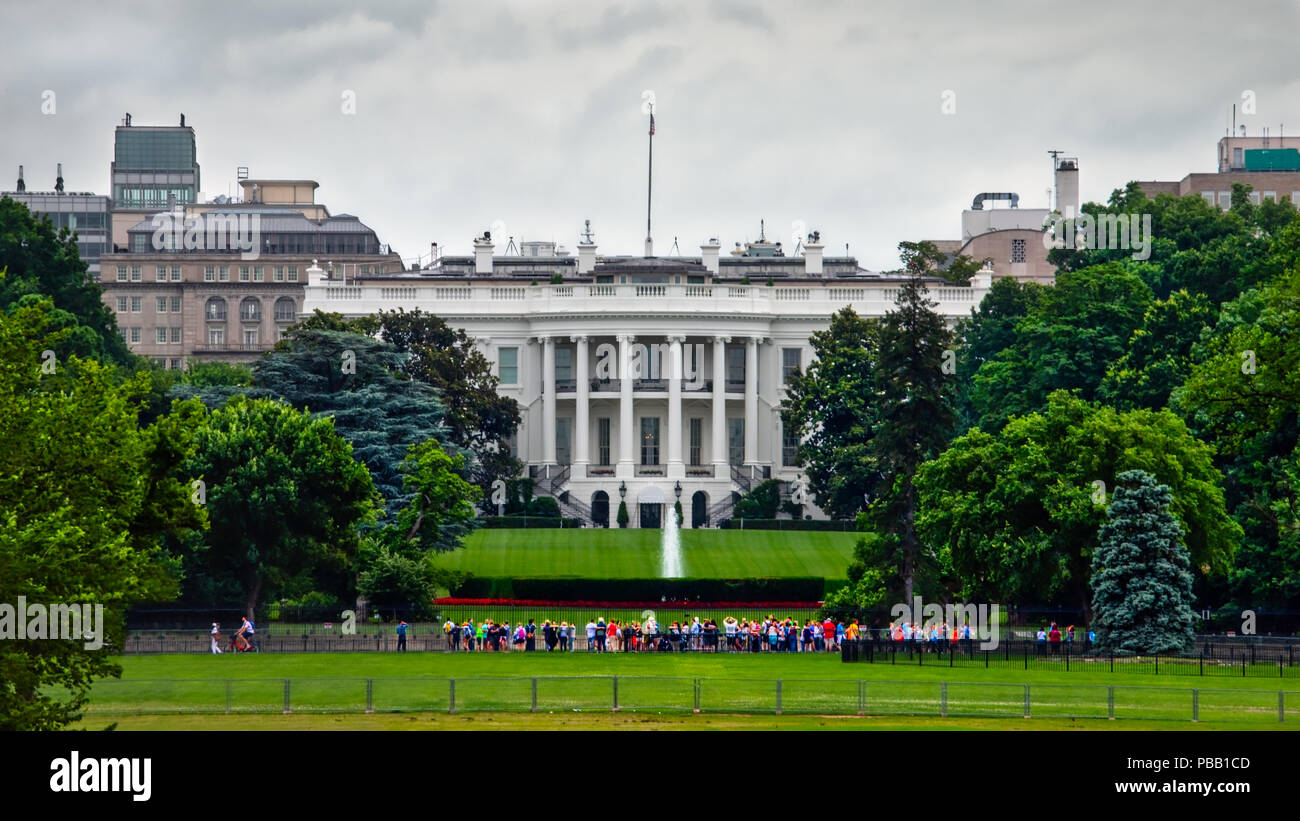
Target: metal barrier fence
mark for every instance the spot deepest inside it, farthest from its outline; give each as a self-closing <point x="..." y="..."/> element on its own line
<point x="1209" y="658"/>
<point x="837" y="697"/>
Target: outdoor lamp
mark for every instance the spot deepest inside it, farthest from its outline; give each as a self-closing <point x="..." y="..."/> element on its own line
<point x="677" y="488"/>
<point x="622" y="490"/>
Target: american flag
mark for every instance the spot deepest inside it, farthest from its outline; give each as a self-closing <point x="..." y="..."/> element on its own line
<point x="652" y="123"/>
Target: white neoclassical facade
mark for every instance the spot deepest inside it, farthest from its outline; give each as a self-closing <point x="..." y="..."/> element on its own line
<point x="643" y="379"/>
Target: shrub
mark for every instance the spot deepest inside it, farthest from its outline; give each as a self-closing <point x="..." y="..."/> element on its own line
<point x="623" y="518"/>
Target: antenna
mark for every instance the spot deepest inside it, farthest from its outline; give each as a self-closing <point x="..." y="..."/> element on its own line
<point x="510" y="245"/>
<point x="649" y="183"/>
<point x="22" y="186"/>
<point x="58" y="180"/>
<point x="676" y="252"/>
<point x="586" y="234"/>
<point x="762" y="231"/>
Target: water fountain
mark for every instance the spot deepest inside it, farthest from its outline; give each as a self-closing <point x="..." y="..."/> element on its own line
<point x="670" y="565"/>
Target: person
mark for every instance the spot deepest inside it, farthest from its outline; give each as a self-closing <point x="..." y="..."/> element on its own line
<point x="1042" y="641"/>
<point x="522" y="638"/>
<point x="840" y="632"/>
<point x="591" y="637"/>
<point x="1092" y="636"/>
<point x="1069" y="634"/>
<point x="573" y="636"/>
<point x="530" y="633"/>
<point x="216" y="638"/>
<point x="828" y="634"/>
<point x="245" y="634"/>
<point x="729" y="625"/>
<point x="452" y="632"/>
<point x="1055" y="638"/>
<point x="401" y="637"/>
<point x="482" y="636"/>
<point x="613" y="635"/>
<point x="564" y="637"/>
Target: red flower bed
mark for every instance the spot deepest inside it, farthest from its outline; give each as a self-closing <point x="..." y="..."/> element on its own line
<point x="648" y="604"/>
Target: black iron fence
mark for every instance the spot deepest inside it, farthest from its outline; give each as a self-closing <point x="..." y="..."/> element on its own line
<point x="1209" y="657"/>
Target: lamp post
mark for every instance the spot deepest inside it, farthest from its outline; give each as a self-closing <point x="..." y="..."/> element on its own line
<point x="677" y="489"/>
<point x="622" y="490"/>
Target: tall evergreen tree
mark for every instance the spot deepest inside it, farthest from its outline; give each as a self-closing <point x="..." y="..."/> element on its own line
<point x="1141" y="577"/>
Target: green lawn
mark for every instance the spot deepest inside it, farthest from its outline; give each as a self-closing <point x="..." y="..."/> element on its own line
<point x="634" y="553"/>
<point x="577" y="684"/>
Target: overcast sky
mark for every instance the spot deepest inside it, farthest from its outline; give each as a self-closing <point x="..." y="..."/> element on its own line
<point x="529" y="114"/>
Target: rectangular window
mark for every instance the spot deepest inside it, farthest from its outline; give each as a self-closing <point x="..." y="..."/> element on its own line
<point x="279" y="273"/>
<point x="293" y="273"/>
<point x="649" y="440"/>
<point x="160" y="304"/>
<point x="250" y="336"/>
<point x="563" y="364"/>
<point x="209" y="273"/>
<point x="1237" y="158"/>
<point x="176" y="273"/>
<point x="121" y="304"/>
<point x="1270" y="195"/>
<point x="161" y="273"/>
<point x="1225" y="200"/>
<point x="216" y="336"/>
<point x="697" y="439"/>
<point x="137" y="304"/>
<point x="736" y="440"/>
<point x="1254" y="198"/>
<point x="135" y="334"/>
<point x="136" y="273"/>
<point x="223" y="273"/>
<point x="1017" y="250"/>
<point x="122" y="333"/>
<point x="176" y="305"/>
<point x="1208" y="196"/>
<point x="258" y="276"/>
<point x="602" y="440"/>
<point x="176" y="364"/>
<point x="508" y="366"/>
<point x="160" y="335"/>
<point x="245" y="272"/>
<point x="138" y="243"/>
<point x="735" y="366"/>
<point x="563" y="427"/>
<point x="121" y="273"/>
<point x="176" y="336"/>
<point x="789" y="445"/>
<point x="791" y="363"/>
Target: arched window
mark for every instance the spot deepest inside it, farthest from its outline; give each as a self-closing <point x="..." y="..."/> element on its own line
<point x="285" y="309"/>
<point x="250" y="308"/>
<point x="215" y="308"/>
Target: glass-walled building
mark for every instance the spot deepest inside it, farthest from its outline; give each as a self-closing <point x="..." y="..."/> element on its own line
<point x="150" y="165"/>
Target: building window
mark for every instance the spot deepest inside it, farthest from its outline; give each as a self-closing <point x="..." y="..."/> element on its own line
<point x="736" y="366"/>
<point x="602" y="440"/>
<point x="1270" y="195"/>
<point x="122" y="333"/>
<point x="649" y="440"/>
<point x="216" y="336"/>
<point x="279" y="273"/>
<point x="161" y="273"/>
<point x="258" y="276"/>
<point x="136" y="274"/>
<point x="508" y="366"/>
<point x="735" y="440"/>
<point x="789" y="445"/>
<point x="244" y="273"/>
<point x="285" y="309"/>
<point x="791" y="363"/>
<point x="176" y="305"/>
<point x="209" y="273"/>
<point x="1254" y="197"/>
<point x="121" y="304"/>
<point x="215" y="308"/>
<point x="160" y="304"/>
<point x="176" y="364"/>
<point x="563" y="364"/>
<point x="223" y="273"/>
<point x="121" y="273"/>
<point x="135" y="334"/>
<point x="1208" y="196"/>
<point x="160" y="335"/>
<point x="176" y="273"/>
<point x="696" y="439"/>
<point x="293" y="273"/>
<point x="1225" y="200"/>
<point x="1237" y="158"/>
<point x="250" y="310"/>
<point x="250" y="337"/>
<point x="563" y="427"/>
<point x="138" y="243"/>
<point x="1017" y="250"/>
<point x="176" y="336"/>
<point x="137" y="304"/>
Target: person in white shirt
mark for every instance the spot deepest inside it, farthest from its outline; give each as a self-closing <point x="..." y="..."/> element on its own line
<point x="591" y="636"/>
<point x="216" y="637"/>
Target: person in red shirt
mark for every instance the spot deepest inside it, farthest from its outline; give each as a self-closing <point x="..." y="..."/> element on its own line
<point x="828" y="632"/>
<point x="1054" y="638"/>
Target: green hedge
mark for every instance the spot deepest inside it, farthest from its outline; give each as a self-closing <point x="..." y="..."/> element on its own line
<point x="807" y="589"/>
<point x="838" y="525"/>
<point x="529" y="521"/>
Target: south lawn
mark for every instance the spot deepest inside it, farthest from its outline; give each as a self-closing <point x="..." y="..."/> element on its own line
<point x="634" y="553"/>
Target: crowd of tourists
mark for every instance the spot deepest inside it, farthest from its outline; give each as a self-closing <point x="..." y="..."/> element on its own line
<point x="691" y="633"/>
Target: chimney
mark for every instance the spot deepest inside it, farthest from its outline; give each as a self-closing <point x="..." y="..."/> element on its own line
<point x="812" y="254"/>
<point x="709" y="254"/>
<point x="315" y="274"/>
<point x="1067" y="186"/>
<point x="433" y="254"/>
<point x="22" y="186"/>
<point x="58" y="181"/>
<point x="483" y="253"/>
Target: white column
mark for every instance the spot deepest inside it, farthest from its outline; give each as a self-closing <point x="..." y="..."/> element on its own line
<point x="676" y="469"/>
<point x="548" y="399"/>
<point x="625" y="469"/>
<point x="581" y="438"/>
<point x="720" y="470"/>
<point x="751" y="401"/>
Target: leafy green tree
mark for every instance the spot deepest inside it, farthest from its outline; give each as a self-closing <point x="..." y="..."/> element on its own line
<point x="1159" y="355"/>
<point x="622" y="517"/>
<point x="1018" y="511"/>
<point x="213" y="374"/>
<point x="284" y="495"/>
<point x="871" y="583"/>
<point x="760" y="503"/>
<point x="1141" y="582"/>
<point x="923" y="259"/>
<point x="441" y="510"/>
<point x="397" y="582"/>
<point x="87" y="496"/>
<point x="35" y="260"/>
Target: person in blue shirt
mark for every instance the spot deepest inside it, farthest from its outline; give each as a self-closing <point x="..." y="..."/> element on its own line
<point x="401" y="637"/>
<point x="530" y="636"/>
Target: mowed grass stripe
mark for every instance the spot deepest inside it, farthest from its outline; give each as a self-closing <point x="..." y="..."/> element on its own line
<point x="635" y="553"/>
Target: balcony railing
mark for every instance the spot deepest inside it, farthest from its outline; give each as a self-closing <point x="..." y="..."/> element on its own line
<point x="650" y="470"/>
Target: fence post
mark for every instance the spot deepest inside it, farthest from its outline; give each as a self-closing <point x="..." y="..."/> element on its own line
<point x="616" y="694"/>
<point x="227" y="696"/>
<point x="1157" y="664"/>
<point x="986" y="659"/>
<point x="1202" y="663"/>
<point x="1243" y="665"/>
<point x="778" y="696"/>
<point x="1281" y="706"/>
<point x="943" y="699"/>
<point x="451" y="707"/>
<point x="1027" y="701"/>
<point x="1196" y="704"/>
<point x="370" y="695"/>
<point x="1068" y="651"/>
<point x="286" y="696"/>
<point x="1110" y="702"/>
<point x="1026" y="656"/>
<point x="697" y="695"/>
<point x="534" y="694"/>
<point x="862" y="697"/>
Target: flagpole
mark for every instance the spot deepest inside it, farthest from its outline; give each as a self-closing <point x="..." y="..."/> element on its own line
<point x="649" y="181"/>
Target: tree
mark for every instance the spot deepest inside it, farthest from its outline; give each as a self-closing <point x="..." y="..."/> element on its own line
<point x="922" y="259"/>
<point x="1141" y="581"/>
<point x="913" y="422"/>
<point x="832" y="406"/>
<point x="87" y="495"/>
<point x="1018" y="511"/>
<point x="677" y="511"/>
<point x="622" y="518"/>
<point x="394" y="581"/>
<point x="37" y="261"/>
<point x="1158" y="358"/>
<point x="869" y="585"/>
<point x="761" y="502"/>
<point x="284" y="495"/>
<point x="441" y="510"/>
